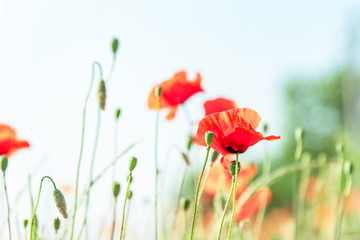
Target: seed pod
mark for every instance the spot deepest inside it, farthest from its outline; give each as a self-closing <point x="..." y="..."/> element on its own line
<point x="209" y="137"/>
<point x="114" y="45"/>
<point x="132" y="163"/>
<point x="116" y="189"/>
<point x="101" y="94"/>
<point x="232" y="168"/>
<point x="4" y="162"/>
<point x="60" y="202"/>
<point x="185" y="203"/>
<point x="158" y="91"/>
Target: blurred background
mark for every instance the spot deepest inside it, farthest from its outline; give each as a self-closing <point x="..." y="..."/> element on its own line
<point x="295" y="63"/>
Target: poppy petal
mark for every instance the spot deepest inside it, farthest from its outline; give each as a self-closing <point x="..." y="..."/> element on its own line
<point x="172" y="113"/>
<point x="218" y="105"/>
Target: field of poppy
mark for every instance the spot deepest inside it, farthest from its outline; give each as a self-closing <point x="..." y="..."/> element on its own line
<point x="173" y="132"/>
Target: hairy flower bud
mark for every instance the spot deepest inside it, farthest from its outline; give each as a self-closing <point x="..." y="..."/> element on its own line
<point x="185" y="203"/>
<point x="214" y="156"/>
<point x="57" y="224"/>
<point x="101" y="94"/>
<point x="114" y="45"/>
<point x="4" y="162"/>
<point x="209" y="137"/>
<point x="60" y="202"/>
<point x="25" y="223"/>
<point x="132" y="163"/>
<point x="232" y="168"/>
<point x="116" y="189"/>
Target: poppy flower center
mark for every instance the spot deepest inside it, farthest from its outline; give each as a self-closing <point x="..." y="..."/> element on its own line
<point x="239" y="149"/>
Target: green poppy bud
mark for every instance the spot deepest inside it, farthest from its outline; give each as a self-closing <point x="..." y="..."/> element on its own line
<point x="114" y="45"/>
<point x="158" y="91"/>
<point x="26" y="223"/>
<point x="185" y="203"/>
<point x="117" y="113"/>
<point x="57" y="224"/>
<point x="4" y="162"/>
<point x="132" y="163"/>
<point x="130" y="193"/>
<point x="116" y="189"/>
<point x="209" y="137"/>
<point x="189" y="142"/>
<point x="186" y="159"/>
<point x="348" y="168"/>
<point x="60" y="202"/>
<point x="299" y="134"/>
<point x="131" y="178"/>
<point x="232" y="168"/>
<point x="214" y="156"/>
<point x="101" y="94"/>
<point x="265" y="128"/>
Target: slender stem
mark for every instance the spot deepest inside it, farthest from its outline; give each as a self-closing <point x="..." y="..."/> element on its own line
<point x="82" y="146"/>
<point x="156" y="166"/>
<point x="37" y="203"/>
<point x="124" y="207"/>
<point x="8" y="205"/>
<point x="114" y="220"/>
<point x="92" y="162"/>
<point x="298" y="152"/>
<point x="225" y="210"/>
<point x="179" y="198"/>
<point x="127" y="217"/>
<point x="116" y="134"/>
<point x="197" y="194"/>
<point x="206" y="179"/>
<point x="234" y="199"/>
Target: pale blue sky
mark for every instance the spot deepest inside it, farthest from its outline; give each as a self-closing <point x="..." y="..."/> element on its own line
<point x="243" y="49"/>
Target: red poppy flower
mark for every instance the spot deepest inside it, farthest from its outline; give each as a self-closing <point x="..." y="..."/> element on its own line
<point x="8" y="141"/>
<point x="218" y="105"/>
<point x="175" y="91"/>
<point x="234" y="130"/>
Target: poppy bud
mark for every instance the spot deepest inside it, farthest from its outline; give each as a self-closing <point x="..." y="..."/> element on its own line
<point x="101" y="94"/>
<point x="114" y="45"/>
<point x="185" y="157"/>
<point x="265" y="127"/>
<point x="132" y="163"/>
<point x="299" y="134"/>
<point x="339" y="148"/>
<point x="189" y="142"/>
<point x="129" y="194"/>
<point x="131" y="178"/>
<point x="60" y="202"/>
<point x="116" y="189"/>
<point x="26" y="223"/>
<point x="214" y="156"/>
<point x="158" y="91"/>
<point x="4" y="162"/>
<point x="232" y="168"/>
<point x="185" y="203"/>
<point x="348" y="168"/>
<point x="117" y="113"/>
<point x="209" y="137"/>
<point x="57" y="224"/>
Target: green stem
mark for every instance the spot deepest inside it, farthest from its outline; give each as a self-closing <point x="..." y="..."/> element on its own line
<point x="234" y="193"/>
<point x="82" y="146"/>
<point x="179" y="198"/>
<point x="92" y="162"/>
<point x="298" y="152"/>
<point x="197" y="193"/>
<point x="8" y="205"/>
<point x="156" y="166"/>
<point x="225" y="210"/>
<point x="114" y="220"/>
<point x="127" y="217"/>
<point x="124" y="207"/>
<point x="37" y="203"/>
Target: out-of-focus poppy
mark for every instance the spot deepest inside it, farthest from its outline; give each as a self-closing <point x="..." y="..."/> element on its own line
<point x="234" y="131"/>
<point x="174" y="92"/>
<point x="8" y="141"/>
<point x="218" y="105"/>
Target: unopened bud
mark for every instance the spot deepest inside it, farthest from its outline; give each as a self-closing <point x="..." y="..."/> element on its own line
<point x="4" y="162"/>
<point x="56" y="224"/>
<point x="101" y="93"/>
<point x="131" y="178"/>
<point x="60" y="202"/>
<point x="209" y="137"/>
<point x="158" y="91"/>
<point x="214" y="156"/>
<point x="265" y="128"/>
<point x="114" y="45"/>
<point x="189" y="142"/>
<point x="132" y="163"/>
<point x="116" y="189"/>
<point x="232" y="168"/>
<point x="348" y="168"/>
<point x="185" y="157"/>
<point x="26" y="223"/>
<point x="117" y="113"/>
<point x="299" y="134"/>
<point x="130" y="193"/>
<point x="185" y="203"/>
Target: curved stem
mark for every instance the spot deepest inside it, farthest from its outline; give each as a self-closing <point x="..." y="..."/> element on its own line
<point x="8" y="205"/>
<point x="226" y="207"/>
<point x="156" y="166"/>
<point x="234" y="193"/>
<point x="37" y="203"/>
<point x="92" y="162"/>
<point x="124" y="207"/>
<point x="82" y="146"/>
<point x="197" y="194"/>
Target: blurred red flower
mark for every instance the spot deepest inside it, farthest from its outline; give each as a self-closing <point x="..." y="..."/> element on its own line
<point x="8" y="141"/>
<point x="234" y="131"/>
<point x="175" y="91"/>
<point x="218" y="105"/>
